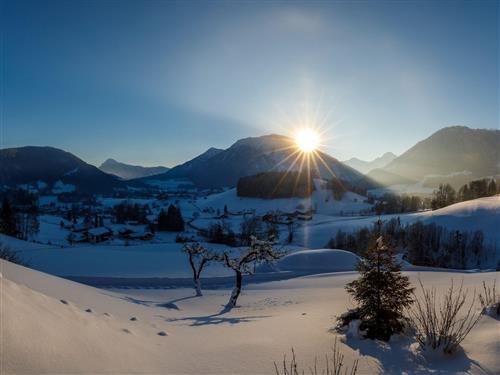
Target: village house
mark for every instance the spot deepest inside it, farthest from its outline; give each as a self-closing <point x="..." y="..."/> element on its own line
<point x="99" y="234"/>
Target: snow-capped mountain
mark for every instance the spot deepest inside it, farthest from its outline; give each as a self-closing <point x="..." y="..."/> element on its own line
<point x="128" y="171"/>
<point x="52" y="168"/>
<point x="364" y="166"/>
<point x="248" y="156"/>
<point x="454" y="155"/>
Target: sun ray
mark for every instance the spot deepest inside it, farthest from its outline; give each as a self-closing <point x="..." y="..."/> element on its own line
<point x="285" y="159"/>
<point x="325" y="164"/>
<point x="286" y="172"/>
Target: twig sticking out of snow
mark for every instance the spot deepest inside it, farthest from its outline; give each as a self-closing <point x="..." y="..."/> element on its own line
<point x="334" y="365"/>
<point x="490" y="300"/>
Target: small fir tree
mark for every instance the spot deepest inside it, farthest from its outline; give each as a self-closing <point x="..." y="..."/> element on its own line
<point x="381" y="292"/>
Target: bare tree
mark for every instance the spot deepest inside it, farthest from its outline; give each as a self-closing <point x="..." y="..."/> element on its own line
<point x="334" y="365"/>
<point x="490" y="299"/>
<point x="258" y="251"/>
<point x="10" y="255"/>
<point x="442" y="324"/>
<point x="199" y="257"/>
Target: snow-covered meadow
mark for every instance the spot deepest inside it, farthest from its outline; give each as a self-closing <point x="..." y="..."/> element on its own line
<point x="147" y="318"/>
<point x="161" y="256"/>
<point x="52" y="325"/>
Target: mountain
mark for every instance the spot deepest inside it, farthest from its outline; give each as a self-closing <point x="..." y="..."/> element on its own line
<point x="364" y="166"/>
<point x="57" y="169"/>
<point x="190" y="167"/>
<point x="128" y="172"/>
<point x="249" y="156"/>
<point x="454" y="155"/>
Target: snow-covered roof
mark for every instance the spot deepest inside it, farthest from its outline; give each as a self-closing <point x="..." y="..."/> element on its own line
<point x="98" y="231"/>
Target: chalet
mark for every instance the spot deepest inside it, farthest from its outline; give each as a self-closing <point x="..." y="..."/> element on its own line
<point x="135" y="234"/>
<point x="77" y="237"/>
<point x="99" y="234"/>
<point x="81" y="227"/>
<point x="304" y="217"/>
<point x="144" y="236"/>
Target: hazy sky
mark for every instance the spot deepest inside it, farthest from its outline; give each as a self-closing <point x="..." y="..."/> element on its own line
<point x="158" y="82"/>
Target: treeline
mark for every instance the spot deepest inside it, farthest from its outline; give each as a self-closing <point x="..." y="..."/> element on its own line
<point x="252" y="226"/>
<point x="445" y="195"/>
<point x="337" y="187"/>
<point x="395" y="204"/>
<point x="19" y="215"/>
<point x="424" y="244"/>
<point x="124" y="212"/>
<point x="269" y="185"/>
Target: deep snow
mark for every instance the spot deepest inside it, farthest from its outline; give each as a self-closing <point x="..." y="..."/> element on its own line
<point x="52" y="325"/>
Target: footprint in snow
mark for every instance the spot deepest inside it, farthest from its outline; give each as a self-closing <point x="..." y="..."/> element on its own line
<point x="126" y="330"/>
<point x="133" y="319"/>
<point x="63" y="301"/>
<point x="107" y="314"/>
<point x="162" y="333"/>
<point x="88" y="310"/>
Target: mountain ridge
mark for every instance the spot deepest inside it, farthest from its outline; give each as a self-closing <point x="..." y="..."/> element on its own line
<point x="52" y="166"/>
<point x="252" y="155"/>
<point x="455" y="155"/>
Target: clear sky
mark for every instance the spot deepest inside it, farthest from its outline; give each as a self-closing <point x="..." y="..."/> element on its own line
<point x="158" y="82"/>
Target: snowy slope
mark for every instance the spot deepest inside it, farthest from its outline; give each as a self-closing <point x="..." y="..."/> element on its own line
<point x="320" y="260"/>
<point x="41" y="334"/>
<point x="479" y="214"/>
<point x="321" y="200"/>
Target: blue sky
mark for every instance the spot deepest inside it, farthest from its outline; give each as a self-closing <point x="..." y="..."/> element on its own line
<point x="158" y="82"/>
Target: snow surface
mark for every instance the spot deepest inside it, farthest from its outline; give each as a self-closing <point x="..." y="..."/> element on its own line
<point x="321" y="200"/>
<point x="320" y="260"/>
<point x="52" y="325"/>
<point x="61" y="187"/>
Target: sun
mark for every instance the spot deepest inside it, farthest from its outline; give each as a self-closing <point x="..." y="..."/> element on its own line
<point x="307" y="140"/>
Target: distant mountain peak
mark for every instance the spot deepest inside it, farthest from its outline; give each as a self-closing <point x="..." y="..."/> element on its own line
<point x="364" y="166"/>
<point x="128" y="171"/>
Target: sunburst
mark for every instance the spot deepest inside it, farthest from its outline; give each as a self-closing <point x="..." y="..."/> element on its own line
<point x="307" y="140"/>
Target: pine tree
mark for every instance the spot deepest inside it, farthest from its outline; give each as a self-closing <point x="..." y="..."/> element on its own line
<point x="381" y="291"/>
<point x="172" y="220"/>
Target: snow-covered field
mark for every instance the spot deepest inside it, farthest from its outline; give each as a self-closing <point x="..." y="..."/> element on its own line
<point x="162" y="257"/>
<point x="52" y="325"/>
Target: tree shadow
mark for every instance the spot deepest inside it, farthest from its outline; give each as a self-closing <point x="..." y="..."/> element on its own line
<point x="138" y="301"/>
<point x="217" y="319"/>
<point x="171" y="305"/>
<point x="399" y="356"/>
<point x="168" y="305"/>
